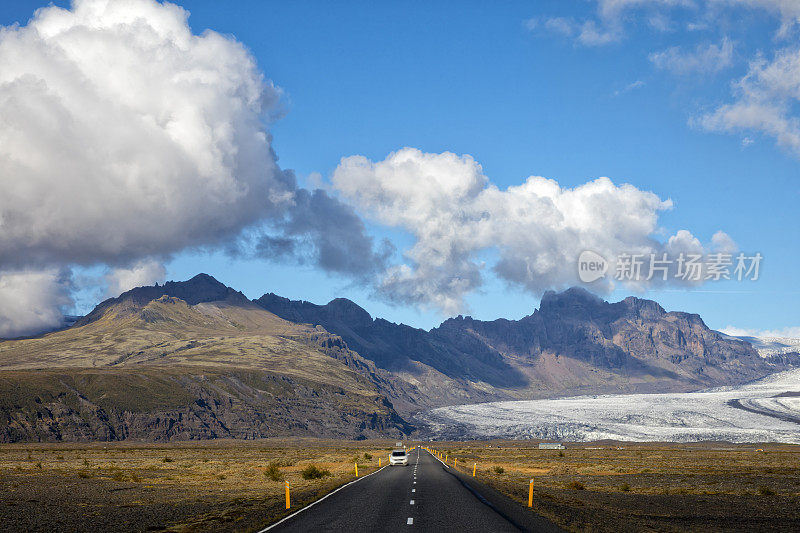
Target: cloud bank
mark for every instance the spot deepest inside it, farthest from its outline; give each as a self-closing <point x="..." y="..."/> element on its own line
<point x="124" y="135"/>
<point x="30" y="301"/>
<point x="320" y="230"/>
<point x="126" y="138"/>
<point x="537" y="229"/>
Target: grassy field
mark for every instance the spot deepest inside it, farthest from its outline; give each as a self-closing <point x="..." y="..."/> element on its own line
<point x="645" y="487"/>
<point x="238" y="485"/>
<point x="205" y="486"/>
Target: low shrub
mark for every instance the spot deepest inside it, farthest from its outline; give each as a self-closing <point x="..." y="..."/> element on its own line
<point x="576" y="485"/>
<point x="166" y="460"/>
<point x="625" y="487"/>
<point x="499" y="469"/>
<point x="368" y="456"/>
<point x="312" y="472"/>
<point x="766" y="491"/>
<point x="273" y="472"/>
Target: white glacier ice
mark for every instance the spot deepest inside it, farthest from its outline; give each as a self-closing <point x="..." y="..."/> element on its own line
<point x="767" y="410"/>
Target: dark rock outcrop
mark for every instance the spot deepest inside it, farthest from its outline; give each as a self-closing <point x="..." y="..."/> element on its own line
<point x="197" y="359"/>
<point x="635" y="342"/>
<point x="395" y="347"/>
<point x="106" y="405"/>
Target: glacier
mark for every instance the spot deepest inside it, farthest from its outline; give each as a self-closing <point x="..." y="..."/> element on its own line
<point x="767" y="410"/>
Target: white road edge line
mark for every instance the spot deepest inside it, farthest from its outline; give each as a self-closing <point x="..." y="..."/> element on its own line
<point x="312" y="504"/>
<point x="445" y="464"/>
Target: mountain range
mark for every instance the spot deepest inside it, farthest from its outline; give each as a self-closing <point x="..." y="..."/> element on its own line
<point x="197" y="359"/>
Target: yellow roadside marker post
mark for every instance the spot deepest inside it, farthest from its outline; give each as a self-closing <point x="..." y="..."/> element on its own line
<point x="445" y="458"/>
<point x="288" y="503"/>
<point x="356" y="469"/>
<point x="455" y="462"/>
<point x="379" y="462"/>
<point x="530" y="494"/>
<point x="474" y="467"/>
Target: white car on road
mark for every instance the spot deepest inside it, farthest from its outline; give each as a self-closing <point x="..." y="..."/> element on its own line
<point x="398" y="457"/>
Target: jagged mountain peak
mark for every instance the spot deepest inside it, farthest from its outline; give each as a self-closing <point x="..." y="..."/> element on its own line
<point x="580" y="303"/>
<point x="574" y="343"/>
<point x="202" y="288"/>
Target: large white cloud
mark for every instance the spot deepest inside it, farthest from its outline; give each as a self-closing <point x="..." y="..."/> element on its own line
<point x="122" y="135"/>
<point x="537" y="229"/>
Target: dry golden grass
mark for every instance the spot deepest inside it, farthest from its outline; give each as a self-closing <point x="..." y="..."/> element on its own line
<point x="659" y="467"/>
<point x="178" y="335"/>
<point x="661" y="487"/>
<point x="177" y="487"/>
<point x="223" y="485"/>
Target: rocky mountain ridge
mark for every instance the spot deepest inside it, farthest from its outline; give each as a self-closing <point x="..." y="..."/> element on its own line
<point x="575" y="343"/>
<point x="152" y="366"/>
<point x="197" y="359"/>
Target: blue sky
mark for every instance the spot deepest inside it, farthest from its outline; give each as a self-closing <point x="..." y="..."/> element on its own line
<point x="522" y="97"/>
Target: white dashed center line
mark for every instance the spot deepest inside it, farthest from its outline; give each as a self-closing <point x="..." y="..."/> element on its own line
<point x="413" y="490"/>
<point x="411" y="502"/>
<point x="410" y="521"/>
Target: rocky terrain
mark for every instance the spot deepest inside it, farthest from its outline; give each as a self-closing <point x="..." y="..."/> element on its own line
<point x="151" y="365"/>
<point x="575" y="343"/>
<point x="197" y="359"/>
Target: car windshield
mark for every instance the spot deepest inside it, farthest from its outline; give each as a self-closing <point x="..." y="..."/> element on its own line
<point x="399" y="453"/>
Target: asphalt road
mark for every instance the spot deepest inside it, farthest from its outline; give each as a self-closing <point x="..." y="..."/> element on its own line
<point x="424" y="496"/>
